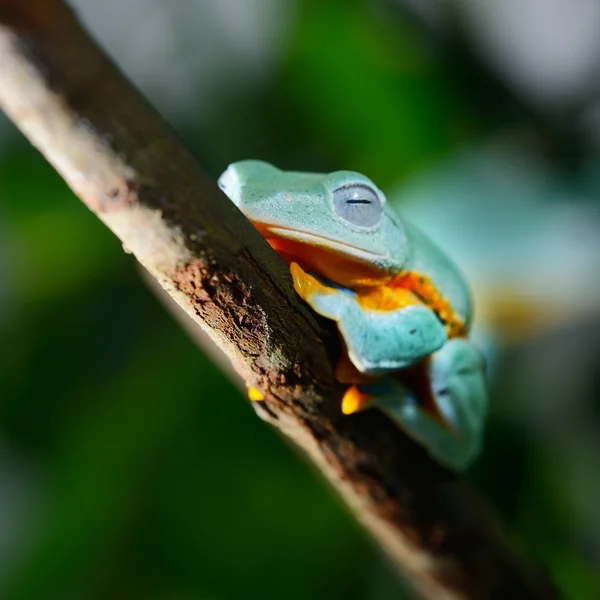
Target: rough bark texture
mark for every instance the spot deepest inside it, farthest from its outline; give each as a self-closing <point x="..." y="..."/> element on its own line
<point x="128" y="167"/>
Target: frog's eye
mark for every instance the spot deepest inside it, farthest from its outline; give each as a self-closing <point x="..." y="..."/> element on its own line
<point x="358" y="204"/>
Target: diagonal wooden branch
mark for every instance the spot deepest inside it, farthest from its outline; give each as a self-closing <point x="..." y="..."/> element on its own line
<point x="128" y="167"/>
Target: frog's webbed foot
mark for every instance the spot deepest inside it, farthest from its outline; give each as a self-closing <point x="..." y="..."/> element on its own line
<point x="453" y="432"/>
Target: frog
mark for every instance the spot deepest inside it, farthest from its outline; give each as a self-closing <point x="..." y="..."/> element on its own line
<point x="402" y="308"/>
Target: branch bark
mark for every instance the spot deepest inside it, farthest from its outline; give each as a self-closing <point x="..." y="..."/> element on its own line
<point x="128" y="167"/>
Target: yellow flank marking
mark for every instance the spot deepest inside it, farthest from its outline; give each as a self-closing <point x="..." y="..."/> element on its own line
<point x="385" y="298"/>
<point x="255" y="395"/>
<point x="354" y="400"/>
<point x="424" y="288"/>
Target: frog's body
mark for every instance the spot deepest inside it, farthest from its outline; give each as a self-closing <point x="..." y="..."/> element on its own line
<point x="400" y="304"/>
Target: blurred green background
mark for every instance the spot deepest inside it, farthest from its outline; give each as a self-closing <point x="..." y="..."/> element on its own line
<point x="131" y="468"/>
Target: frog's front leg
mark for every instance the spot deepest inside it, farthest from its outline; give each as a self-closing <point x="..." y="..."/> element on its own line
<point x="377" y="341"/>
<point x="456" y="379"/>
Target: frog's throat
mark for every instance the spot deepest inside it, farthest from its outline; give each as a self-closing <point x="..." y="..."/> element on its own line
<point x="341" y="263"/>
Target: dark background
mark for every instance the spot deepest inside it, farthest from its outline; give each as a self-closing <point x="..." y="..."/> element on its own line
<point x="131" y="468"/>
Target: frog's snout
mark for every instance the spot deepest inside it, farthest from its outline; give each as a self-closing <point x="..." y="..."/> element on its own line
<point x="227" y="182"/>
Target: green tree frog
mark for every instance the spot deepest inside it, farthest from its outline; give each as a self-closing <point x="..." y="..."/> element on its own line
<point x="401" y="306"/>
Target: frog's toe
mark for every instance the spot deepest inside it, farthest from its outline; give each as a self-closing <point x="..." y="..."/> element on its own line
<point x="255" y="395"/>
<point x="355" y="400"/>
<point x="360" y="397"/>
<point x="324" y="298"/>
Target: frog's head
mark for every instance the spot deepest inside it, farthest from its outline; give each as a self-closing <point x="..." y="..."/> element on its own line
<point x="336" y="225"/>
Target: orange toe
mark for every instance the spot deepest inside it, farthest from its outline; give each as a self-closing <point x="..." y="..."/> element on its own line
<point x="255" y="395"/>
<point x="354" y="400"/>
<point x="305" y="284"/>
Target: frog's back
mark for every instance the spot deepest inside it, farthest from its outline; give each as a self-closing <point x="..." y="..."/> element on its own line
<point x="427" y="259"/>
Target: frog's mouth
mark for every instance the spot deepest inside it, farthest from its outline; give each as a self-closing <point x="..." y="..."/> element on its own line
<point x="341" y="263"/>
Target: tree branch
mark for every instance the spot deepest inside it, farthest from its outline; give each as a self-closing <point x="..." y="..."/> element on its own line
<point x="128" y="167"/>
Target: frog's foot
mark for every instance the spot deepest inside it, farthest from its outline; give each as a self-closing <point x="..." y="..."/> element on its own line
<point x="405" y="409"/>
<point x="452" y="432"/>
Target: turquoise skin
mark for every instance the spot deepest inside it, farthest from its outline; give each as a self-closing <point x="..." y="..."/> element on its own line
<point x="345" y="216"/>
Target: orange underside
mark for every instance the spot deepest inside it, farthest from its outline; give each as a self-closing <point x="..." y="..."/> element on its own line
<point x="375" y="289"/>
